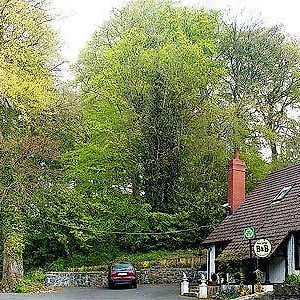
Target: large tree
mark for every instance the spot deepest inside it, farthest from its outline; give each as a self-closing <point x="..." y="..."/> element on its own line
<point x="262" y="83"/>
<point x="154" y="63"/>
<point x="158" y="132"/>
<point x="27" y="62"/>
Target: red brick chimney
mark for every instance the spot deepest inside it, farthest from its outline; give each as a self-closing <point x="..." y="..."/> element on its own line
<point x="236" y="182"/>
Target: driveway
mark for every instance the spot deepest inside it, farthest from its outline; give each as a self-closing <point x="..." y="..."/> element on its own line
<point x="163" y="292"/>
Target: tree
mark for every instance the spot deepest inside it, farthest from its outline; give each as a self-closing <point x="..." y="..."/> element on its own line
<point x="153" y="62"/>
<point x="262" y="82"/>
<point x="27" y="62"/>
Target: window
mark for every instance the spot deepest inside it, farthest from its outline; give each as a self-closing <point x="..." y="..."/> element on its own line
<point x="282" y="193"/>
<point x="297" y="251"/>
<point x="121" y="267"/>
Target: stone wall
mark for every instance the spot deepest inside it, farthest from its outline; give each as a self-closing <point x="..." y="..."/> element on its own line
<point x="258" y="296"/>
<point x="286" y="292"/>
<point x="79" y="279"/>
<point x="269" y="296"/>
<point x="99" y="279"/>
<point x="281" y="292"/>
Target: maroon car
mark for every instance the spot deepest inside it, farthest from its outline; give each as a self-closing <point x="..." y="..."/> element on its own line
<point x="121" y="274"/>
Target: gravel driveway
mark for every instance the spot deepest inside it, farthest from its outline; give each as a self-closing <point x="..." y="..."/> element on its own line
<point x="163" y="292"/>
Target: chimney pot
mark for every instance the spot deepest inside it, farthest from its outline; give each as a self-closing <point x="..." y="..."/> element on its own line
<point x="236" y="154"/>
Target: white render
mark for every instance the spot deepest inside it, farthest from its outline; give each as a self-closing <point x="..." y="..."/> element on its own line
<point x="278" y="265"/>
<point x="291" y="256"/>
<point x="211" y="265"/>
<point x="277" y="269"/>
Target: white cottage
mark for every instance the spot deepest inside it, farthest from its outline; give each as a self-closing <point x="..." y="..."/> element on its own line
<point x="273" y="210"/>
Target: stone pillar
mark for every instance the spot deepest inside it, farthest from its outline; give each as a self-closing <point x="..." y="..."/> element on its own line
<point x="203" y="289"/>
<point x="184" y="288"/>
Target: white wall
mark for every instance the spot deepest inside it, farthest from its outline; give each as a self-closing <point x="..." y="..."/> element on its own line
<point x="277" y="269"/>
<point x="211" y="257"/>
<point x="291" y="255"/>
<point x="277" y="264"/>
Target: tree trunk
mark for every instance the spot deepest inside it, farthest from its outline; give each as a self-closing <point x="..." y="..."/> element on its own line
<point x="135" y="185"/>
<point x="274" y="152"/>
<point x="12" y="262"/>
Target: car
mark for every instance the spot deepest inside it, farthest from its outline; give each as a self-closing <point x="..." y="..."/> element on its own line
<point x="122" y="274"/>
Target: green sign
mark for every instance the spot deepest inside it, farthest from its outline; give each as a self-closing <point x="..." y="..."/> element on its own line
<point x="249" y="233"/>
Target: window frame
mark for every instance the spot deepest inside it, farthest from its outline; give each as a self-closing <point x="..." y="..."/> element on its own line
<point x="282" y="193"/>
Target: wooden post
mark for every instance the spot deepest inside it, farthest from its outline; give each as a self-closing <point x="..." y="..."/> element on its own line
<point x="252" y="267"/>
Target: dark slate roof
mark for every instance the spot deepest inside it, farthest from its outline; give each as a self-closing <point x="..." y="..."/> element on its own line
<point x="273" y="221"/>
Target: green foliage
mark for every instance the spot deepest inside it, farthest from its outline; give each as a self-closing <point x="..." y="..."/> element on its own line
<point x="293" y="279"/>
<point x="37" y="276"/>
<point x="154" y="258"/>
<point x="143" y="85"/>
<point x="31" y="128"/>
<point x="152" y="73"/>
<point x="23" y="287"/>
<point x="83" y="259"/>
<point x="100" y="260"/>
<point x="33" y="282"/>
<point x="231" y="262"/>
<point x="166" y="93"/>
<point x="228" y="294"/>
<point x="61" y="264"/>
<point x="262" y="86"/>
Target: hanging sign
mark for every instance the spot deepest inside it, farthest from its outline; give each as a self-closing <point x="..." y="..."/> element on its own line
<point x="249" y="233"/>
<point x="262" y="248"/>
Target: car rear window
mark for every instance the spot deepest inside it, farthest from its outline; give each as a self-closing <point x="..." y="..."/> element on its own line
<point x="120" y="267"/>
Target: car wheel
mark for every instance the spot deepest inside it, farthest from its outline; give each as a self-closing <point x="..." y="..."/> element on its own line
<point x="111" y="285"/>
<point x="133" y="285"/>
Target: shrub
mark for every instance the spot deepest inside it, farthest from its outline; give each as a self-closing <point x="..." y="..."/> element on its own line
<point x="39" y="276"/>
<point x="293" y="279"/>
<point x="98" y="261"/>
<point x="59" y="265"/>
<point x="228" y="294"/>
<point x="23" y="287"/>
<point x="32" y="282"/>
<point x="243" y="290"/>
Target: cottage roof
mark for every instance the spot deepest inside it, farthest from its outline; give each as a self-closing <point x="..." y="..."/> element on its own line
<point x="273" y="220"/>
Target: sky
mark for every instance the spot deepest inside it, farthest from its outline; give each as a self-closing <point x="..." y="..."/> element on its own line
<point x="78" y="19"/>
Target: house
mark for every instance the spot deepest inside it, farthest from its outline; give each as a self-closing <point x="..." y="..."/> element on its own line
<point x="273" y="210"/>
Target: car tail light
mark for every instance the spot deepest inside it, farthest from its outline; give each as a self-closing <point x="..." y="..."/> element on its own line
<point x="131" y="272"/>
<point x="114" y="273"/>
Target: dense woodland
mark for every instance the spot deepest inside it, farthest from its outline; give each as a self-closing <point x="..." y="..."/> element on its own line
<point x="139" y="141"/>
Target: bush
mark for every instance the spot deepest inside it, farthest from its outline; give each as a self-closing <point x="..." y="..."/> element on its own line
<point x="32" y="282"/>
<point x="97" y="261"/>
<point x="293" y="280"/>
<point x="38" y="276"/>
<point x="228" y="294"/>
<point x="93" y="259"/>
<point x="61" y="264"/>
<point x="23" y="287"/>
<point x="243" y="291"/>
<point x="163" y="258"/>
